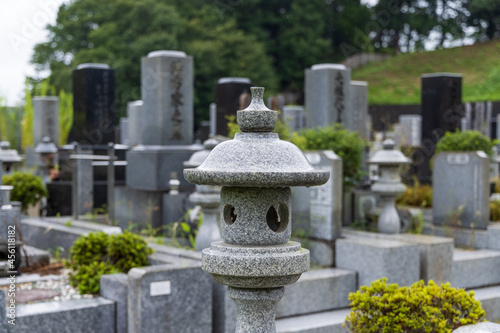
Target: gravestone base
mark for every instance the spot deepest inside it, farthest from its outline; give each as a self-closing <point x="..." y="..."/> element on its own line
<point x="321" y="252"/>
<point x="377" y="258"/>
<point x="469" y="238"/>
<point x="149" y="167"/>
<point x="142" y="208"/>
<point x="115" y="287"/>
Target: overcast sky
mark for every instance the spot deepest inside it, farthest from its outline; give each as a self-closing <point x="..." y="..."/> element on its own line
<point x="22" y="26"/>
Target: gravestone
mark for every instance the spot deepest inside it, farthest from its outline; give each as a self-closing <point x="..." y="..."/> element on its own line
<point x="124" y="131"/>
<point x="231" y="94"/>
<point x="356" y="120"/>
<point x="468" y="116"/>
<point x="46" y="119"/>
<point x="85" y="184"/>
<point x="479" y="114"/>
<point x="167" y="94"/>
<point x="327" y="98"/>
<point x="94" y="116"/>
<point x="213" y="119"/>
<point x="461" y="189"/>
<point x="411" y="127"/>
<point x="326" y="199"/>
<point x="134" y="112"/>
<point x="441" y="112"/>
<point x="293" y="116"/>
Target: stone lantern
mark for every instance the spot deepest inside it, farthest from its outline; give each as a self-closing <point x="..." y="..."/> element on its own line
<point x="256" y="258"/>
<point x="208" y="198"/>
<point x="46" y="159"/>
<point x="388" y="185"/>
<point x="8" y="156"/>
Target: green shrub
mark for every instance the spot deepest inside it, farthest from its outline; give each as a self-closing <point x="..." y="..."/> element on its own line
<point x="98" y="253"/>
<point x="389" y="308"/>
<point x="348" y="145"/>
<point x="416" y="195"/>
<point x="28" y="189"/>
<point x="465" y="141"/>
<point x="495" y="210"/>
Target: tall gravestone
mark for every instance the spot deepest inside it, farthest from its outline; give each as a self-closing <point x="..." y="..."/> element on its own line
<point x="134" y="112"/>
<point x="357" y="119"/>
<point x="124" y="131"/>
<point x="231" y="94"/>
<point x="326" y="199"/>
<point x="293" y="115"/>
<point x="441" y="112"/>
<point x="411" y="130"/>
<point x="167" y="95"/>
<point x="461" y="189"/>
<point x="46" y="118"/>
<point x="327" y="99"/>
<point x="94" y="115"/>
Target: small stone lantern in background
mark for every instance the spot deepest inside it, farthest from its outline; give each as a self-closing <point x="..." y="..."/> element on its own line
<point x="389" y="185"/>
<point x="9" y="157"/>
<point x="256" y="258"/>
<point x="47" y="151"/>
<point x="208" y="198"/>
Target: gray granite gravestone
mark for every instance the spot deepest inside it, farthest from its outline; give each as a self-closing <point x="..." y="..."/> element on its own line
<point x="231" y="94"/>
<point x="326" y="200"/>
<point x="411" y="127"/>
<point x="461" y="189"/>
<point x="327" y="99"/>
<point x="167" y="95"/>
<point x="356" y="119"/>
<point x="134" y="112"/>
<point x="94" y="116"/>
<point x="85" y="183"/>
<point x="293" y="116"/>
<point x="124" y="131"/>
<point x="46" y="119"/>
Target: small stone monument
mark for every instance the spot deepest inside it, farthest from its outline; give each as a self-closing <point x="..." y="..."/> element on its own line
<point x="256" y="258"/>
<point x="208" y="198"/>
<point x="389" y="185"/>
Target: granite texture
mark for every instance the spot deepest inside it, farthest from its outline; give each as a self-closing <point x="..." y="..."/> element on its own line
<point x="46" y="118"/>
<point x="468" y="197"/>
<point x="257" y="117"/>
<point x="377" y="258"/>
<point x="324" y="322"/>
<point x="95" y="315"/>
<point x="327" y="95"/>
<point x="85" y="184"/>
<point x="472" y="269"/>
<point x="262" y="267"/>
<point x="490" y="301"/>
<point x="134" y="112"/>
<point x="436" y="253"/>
<point x="294" y="117"/>
<point x="224" y="310"/>
<point x="316" y="291"/>
<point x="485" y="327"/>
<point x="149" y="167"/>
<point x="167" y="93"/>
<point x="357" y="121"/>
<point x="256" y="308"/>
<point x="186" y="307"/>
<point x="326" y="199"/>
<point x="115" y="287"/>
<point x="255" y="216"/>
<point x="256" y="160"/>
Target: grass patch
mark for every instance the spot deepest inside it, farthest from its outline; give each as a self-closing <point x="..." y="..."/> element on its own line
<point x="397" y="80"/>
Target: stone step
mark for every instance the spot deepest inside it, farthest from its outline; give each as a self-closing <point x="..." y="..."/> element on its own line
<point x="475" y="268"/>
<point x="323" y="322"/>
<point x="316" y="291"/>
<point x="490" y="300"/>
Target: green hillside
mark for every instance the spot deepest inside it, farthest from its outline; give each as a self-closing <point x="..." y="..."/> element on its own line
<point x="397" y="80"/>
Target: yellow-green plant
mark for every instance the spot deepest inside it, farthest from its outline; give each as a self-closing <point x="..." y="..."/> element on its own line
<point x="388" y="308"/>
<point x="98" y="253"/>
<point x="28" y="116"/>
<point x="416" y="195"/>
<point x="495" y="210"/>
<point x="28" y="189"/>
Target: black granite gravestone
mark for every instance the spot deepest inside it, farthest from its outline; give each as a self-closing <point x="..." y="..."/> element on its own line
<point x="231" y="94"/>
<point x="94" y="116"/>
<point x="441" y="112"/>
